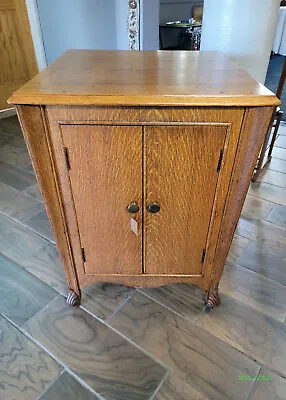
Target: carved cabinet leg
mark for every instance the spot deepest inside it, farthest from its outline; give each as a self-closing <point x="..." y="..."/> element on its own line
<point x="73" y="299"/>
<point x="212" y="298"/>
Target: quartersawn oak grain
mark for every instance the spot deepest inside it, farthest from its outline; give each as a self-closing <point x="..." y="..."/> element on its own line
<point x="144" y="78"/>
<point x="105" y="177"/>
<point x="115" y="151"/>
<point x="178" y="174"/>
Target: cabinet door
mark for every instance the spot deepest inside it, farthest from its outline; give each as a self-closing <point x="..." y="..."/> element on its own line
<point x="181" y="165"/>
<point x="105" y="172"/>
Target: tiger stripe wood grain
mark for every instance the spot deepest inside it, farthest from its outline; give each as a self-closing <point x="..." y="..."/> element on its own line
<point x="178" y="173"/>
<point x="105" y="177"/>
<point x="97" y="147"/>
<point x="35" y="131"/>
<point x="251" y="138"/>
<point x="153" y="78"/>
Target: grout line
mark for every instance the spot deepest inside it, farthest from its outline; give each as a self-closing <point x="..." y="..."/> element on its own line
<point x="271" y="184"/>
<point x="27" y="227"/>
<point x="50" y="385"/>
<point x="254" y="385"/>
<point x="258" y="273"/>
<point x="83" y="383"/>
<point x="129" y="341"/>
<point x="168" y="308"/>
<point x="65" y="367"/>
<point x="163" y="380"/>
<point x="32" y="216"/>
<point x="129" y="297"/>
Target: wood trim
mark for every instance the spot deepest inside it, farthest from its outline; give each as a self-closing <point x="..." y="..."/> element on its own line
<point x="36" y="132"/>
<point x="26" y="38"/>
<point x="140" y="281"/>
<point x="252" y="134"/>
<point x="176" y="101"/>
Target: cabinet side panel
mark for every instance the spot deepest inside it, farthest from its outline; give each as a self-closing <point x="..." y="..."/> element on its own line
<point x="254" y="127"/>
<point x="34" y="126"/>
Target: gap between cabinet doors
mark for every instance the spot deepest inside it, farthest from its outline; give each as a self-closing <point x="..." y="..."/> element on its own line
<point x="217" y="163"/>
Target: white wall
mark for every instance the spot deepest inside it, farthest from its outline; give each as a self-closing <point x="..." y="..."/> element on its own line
<point x="121" y="25"/>
<point x="36" y="33"/>
<point x="82" y="24"/>
<point x="242" y="28"/>
<point x="149" y="24"/>
<point x="173" y="10"/>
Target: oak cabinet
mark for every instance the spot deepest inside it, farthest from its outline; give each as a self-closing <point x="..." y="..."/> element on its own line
<point x="143" y="177"/>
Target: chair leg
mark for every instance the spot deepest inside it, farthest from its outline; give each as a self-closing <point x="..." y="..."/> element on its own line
<point x="279" y="116"/>
<point x="259" y="166"/>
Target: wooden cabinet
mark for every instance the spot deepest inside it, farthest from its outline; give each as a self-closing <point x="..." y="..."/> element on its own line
<point x="144" y="161"/>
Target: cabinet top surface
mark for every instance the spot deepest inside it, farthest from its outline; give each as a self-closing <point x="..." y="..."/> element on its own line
<point x="144" y="78"/>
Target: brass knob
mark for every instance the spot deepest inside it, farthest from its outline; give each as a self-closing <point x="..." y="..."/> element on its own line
<point x="133" y="208"/>
<point x="153" y="208"/>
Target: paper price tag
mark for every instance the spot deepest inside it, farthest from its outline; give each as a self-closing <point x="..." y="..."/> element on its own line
<point x="134" y="226"/>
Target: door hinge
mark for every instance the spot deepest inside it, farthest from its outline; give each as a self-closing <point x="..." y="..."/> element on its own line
<point x="203" y="256"/>
<point x="219" y="161"/>
<point x="67" y="158"/>
<point x="83" y="255"/>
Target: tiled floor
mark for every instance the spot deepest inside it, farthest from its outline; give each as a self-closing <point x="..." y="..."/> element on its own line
<point x="127" y="344"/>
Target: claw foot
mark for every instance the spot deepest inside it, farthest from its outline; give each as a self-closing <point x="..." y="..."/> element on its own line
<point x="212" y="298"/>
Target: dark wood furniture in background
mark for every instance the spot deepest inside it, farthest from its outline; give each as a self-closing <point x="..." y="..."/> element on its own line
<point x="273" y="127"/>
<point x="180" y="36"/>
<point x="144" y="160"/>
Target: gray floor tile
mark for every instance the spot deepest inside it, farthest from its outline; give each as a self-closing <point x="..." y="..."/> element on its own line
<point x="4" y="138"/>
<point x="46" y="265"/>
<point x="278" y="216"/>
<point x="186" y="300"/>
<point x="277" y="165"/>
<point x="108" y="363"/>
<point x="259" y="336"/>
<point x="269" y="192"/>
<point x="265" y="259"/>
<point x="15" y="177"/>
<point x="239" y="243"/>
<point x="208" y="365"/>
<point x="272" y="177"/>
<point x="16" y="205"/>
<point x="34" y="191"/>
<point x="14" y="155"/>
<point x="175" y="388"/>
<point x="67" y="388"/>
<point x="281" y="142"/>
<point x="254" y="290"/>
<point x="18" y="141"/>
<point x="40" y="223"/>
<point x="257" y="208"/>
<point x="274" y="389"/>
<point x="22" y="294"/>
<point x="30" y="169"/>
<point x="279" y="153"/>
<point x="25" y="369"/>
<point x="103" y="299"/>
<point x="261" y="231"/>
<point x="11" y="125"/>
<point x="18" y="242"/>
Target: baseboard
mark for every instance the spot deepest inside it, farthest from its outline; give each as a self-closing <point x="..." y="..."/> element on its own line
<point x="7" y="113"/>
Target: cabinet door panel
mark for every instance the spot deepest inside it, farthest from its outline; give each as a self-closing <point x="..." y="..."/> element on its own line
<point x="105" y="177"/>
<point x="181" y="176"/>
